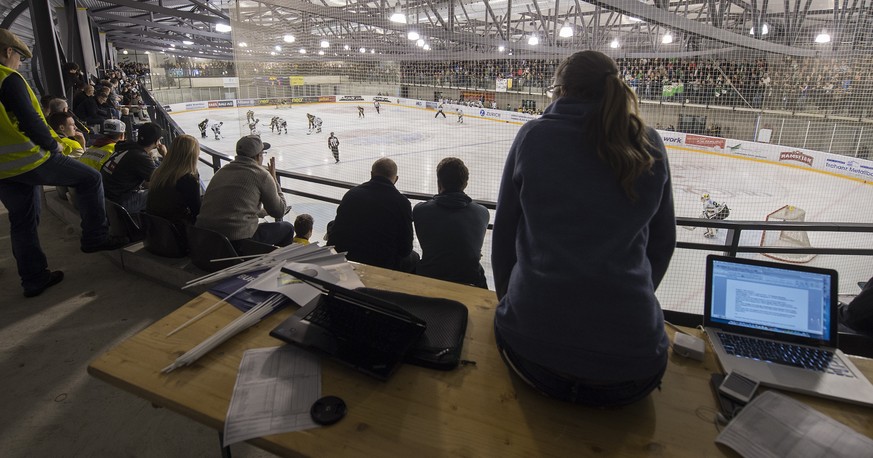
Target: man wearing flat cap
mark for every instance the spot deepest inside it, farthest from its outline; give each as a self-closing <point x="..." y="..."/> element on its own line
<point x="243" y="191"/>
<point x="30" y="158"/>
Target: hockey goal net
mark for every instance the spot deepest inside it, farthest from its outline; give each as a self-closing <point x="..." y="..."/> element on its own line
<point x="787" y="238"/>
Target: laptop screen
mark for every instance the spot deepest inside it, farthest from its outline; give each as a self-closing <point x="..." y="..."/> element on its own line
<point x="774" y="298"/>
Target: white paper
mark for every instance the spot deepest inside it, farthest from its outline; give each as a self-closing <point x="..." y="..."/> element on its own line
<point x="774" y="425"/>
<point x="274" y="390"/>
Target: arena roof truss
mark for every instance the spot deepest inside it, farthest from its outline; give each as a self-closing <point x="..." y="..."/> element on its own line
<point x="475" y="29"/>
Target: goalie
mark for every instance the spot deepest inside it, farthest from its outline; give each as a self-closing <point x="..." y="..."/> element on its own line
<point x="713" y="210"/>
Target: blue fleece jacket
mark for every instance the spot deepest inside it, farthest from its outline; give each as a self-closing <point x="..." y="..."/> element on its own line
<point x="576" y="262"/>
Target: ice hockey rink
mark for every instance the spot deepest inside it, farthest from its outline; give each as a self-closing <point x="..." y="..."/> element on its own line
<point x="417" y="142"/>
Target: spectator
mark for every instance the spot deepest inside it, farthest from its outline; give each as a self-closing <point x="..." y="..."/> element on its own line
<point x="23" y="172"/>
<point x="451" y="229"/>
<point x="73" y="77"/>
<point x="858" y="314"/>
<point x="303" y="228"/>
<point x="128" y="170"/>
<point x="582" y="237"/>
<point x="174" y="190"/>
<point x="103" y="147"/>
<point x="374" y="222"/>
<point x="92" y="110"/>
<point x="79" y="97"/>
<point x="71" y="140"/>
<point x="243" y="191"/>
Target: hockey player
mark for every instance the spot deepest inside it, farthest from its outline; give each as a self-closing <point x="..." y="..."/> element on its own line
<point x="440" y="112"/>
<point x="460" y="116"/>
<point x="282" y="125"/>
<point x="253" y="127"/>
<point x="274" y="123"/>
<point x="250" y="116"/>
<point x="202" y="127"/>
<point x="317" y="123"/>
<point x="216" y="129"/>
<point x="311" y="119"/>
<point x="713" y="210"/>
<point x="360" y="112"/>
<point x="376" y="106"/>
<point x="333" y="144"/>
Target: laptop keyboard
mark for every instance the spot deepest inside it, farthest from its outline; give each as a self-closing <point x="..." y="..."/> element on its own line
<point x="782" y="353"/>
<point x="348" y="320"/>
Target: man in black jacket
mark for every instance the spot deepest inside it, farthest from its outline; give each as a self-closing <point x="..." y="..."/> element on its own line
<point x="127" y="172"/>
<point x="451" y="229"/>
<point x="374" y="222"/>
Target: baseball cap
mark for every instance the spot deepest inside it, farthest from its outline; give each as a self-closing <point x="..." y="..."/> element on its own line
<point x="250" y="146"/>
<point x="9" y="40"/>
<point x="114" y="126"/>
<point x="149" y="133"/>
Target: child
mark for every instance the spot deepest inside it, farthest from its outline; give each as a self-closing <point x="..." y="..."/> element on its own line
<point x="303" y="229"/>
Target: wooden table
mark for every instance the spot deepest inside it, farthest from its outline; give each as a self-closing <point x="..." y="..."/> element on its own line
<point x="476" y="410"/>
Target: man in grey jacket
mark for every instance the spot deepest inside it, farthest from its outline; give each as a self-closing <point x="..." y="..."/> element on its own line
<point x="243" y="191"/>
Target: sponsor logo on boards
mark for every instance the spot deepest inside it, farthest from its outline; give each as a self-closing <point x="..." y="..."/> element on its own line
<point x="419" y="104"/>
<point x="168" y="108"/>
<point x="265" y="102"/>
<point x="351" y="98"/>
<point x="490" y="114"/>
<point x="244" y="102"/>
<point x="704" y="141"/>
<point x="195" y="105"/>
<point x="672" y="140"/>
<point x="381" y="99"/>
<point x="327" y="98"/>
<point x="220" y="103"/>
<point x="739" y="150"/>
<point x="849" y="166"/>
<point x="796" y="156"/>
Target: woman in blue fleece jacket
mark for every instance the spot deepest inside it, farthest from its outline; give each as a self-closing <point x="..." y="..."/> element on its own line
<point x="583" y="234"/>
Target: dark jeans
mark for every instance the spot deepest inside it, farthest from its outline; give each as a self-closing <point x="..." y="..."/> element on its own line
<point x="21" y="195"/>
<point x="280" y="233"/>
<point x="578" y="391"/>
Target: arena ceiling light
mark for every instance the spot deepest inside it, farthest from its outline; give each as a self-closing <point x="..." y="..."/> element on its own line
<point x="372" y="51"/>
<point x="614" y="44"/>
<point x="765" y="29"/>
<point x="823" y="37"/>
<point x="413" y="35"/>
<point x="325" y="44"/>
<point x="426" y="47"/>
<point x="667" y="38"/>
<point x="362" y="50"/>
<point x="187" y="42"/>
<point x="278" y="48"/>
<point x="302" y="51"/>
<point x="320" y="52"/>
<point x="566" y="30"/>
<point x="222" y="28"/>
<point x="501" y="48"/>
<point x="243" y="44"/>
<point x="398" y="15"/>
<point x="346" y="47"/>
<point x="419" y="43"/>
<point x="288" y="38"/>
<point x="124" y="52"/>
<point x="533" y="40"/>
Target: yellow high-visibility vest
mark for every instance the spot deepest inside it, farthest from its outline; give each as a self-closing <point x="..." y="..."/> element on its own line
<point x="18" y="154"/>
<point x="95" y="157"/>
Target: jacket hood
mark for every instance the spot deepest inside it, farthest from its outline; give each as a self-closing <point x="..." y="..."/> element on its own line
<point x="452" y="200"/>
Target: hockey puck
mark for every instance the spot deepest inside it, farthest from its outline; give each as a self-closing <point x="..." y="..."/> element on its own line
<point x="328" y="410"/>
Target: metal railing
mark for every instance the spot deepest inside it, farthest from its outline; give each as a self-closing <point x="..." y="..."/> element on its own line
<point x="851" y="343"/>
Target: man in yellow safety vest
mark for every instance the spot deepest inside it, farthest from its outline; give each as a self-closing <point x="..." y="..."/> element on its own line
<point x="29" y="158"/>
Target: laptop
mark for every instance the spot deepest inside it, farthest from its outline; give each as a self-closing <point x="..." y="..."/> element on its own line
<point x="777" y="323"/>
<point x="367" y="333"/>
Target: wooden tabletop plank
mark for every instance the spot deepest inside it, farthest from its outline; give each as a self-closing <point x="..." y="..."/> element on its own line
<point x="475" y="410"/>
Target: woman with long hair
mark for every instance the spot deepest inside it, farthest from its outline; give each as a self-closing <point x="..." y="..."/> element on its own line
<point x="583" y="235"/>
<point x="174" y="189"/>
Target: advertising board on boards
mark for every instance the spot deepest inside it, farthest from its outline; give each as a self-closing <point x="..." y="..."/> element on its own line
<point x="796" y="156"/>
<point x="704" y="141"/>
<point x="351" y="98"/>
<point x="220" y="103"/>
